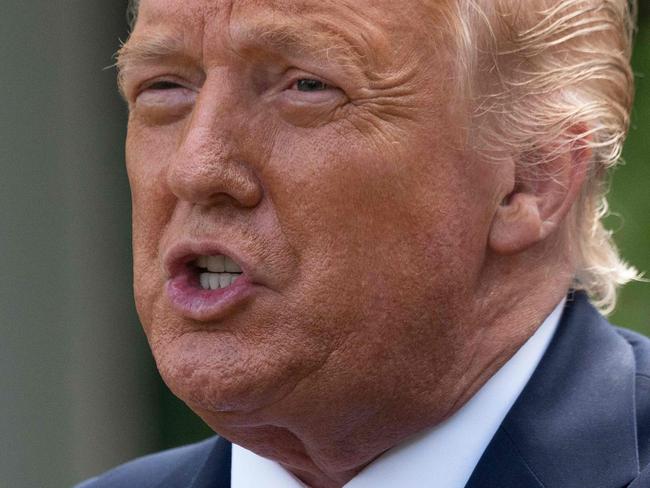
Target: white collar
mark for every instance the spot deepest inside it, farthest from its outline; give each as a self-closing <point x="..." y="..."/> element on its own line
<point x="448" y="452"/>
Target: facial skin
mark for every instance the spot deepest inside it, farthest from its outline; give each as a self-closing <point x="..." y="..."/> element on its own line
<point x="386" y="260"/>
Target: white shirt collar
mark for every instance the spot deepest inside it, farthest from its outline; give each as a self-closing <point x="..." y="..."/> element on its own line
<point x="449" y="451"/>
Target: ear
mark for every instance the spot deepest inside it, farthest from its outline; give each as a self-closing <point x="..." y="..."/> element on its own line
<point x="546" y="185"/>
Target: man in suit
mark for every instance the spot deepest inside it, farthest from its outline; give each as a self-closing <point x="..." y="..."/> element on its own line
<point x="368" y="247"/>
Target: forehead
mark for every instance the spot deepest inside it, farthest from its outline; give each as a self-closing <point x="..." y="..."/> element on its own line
<point x="385" y="26"/>
<point x="197" y="11"/>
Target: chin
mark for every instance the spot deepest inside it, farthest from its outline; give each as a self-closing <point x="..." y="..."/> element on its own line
<point x="207" y="392"/>
<point x="217" y="373"/>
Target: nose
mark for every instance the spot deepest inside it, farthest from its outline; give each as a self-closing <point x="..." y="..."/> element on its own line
<point x="208" y="169"/>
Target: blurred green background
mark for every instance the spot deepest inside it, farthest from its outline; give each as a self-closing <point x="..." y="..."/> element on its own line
<point x="79" y="392"/>
<point x="629" y="199"/>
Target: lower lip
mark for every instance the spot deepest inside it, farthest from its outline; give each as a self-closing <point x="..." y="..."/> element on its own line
<point x="190" y="300"/>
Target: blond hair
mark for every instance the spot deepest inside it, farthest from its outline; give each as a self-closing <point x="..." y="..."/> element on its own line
<point x="551" y="73"/>
<point x="555" y="74"/>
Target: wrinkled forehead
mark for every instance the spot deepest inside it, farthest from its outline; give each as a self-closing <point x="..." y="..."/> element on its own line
<point x="385" y="26"/>
<point x="196" y="10"/>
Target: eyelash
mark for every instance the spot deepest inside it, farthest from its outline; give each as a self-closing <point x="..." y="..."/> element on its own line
<point x="324" y="85"/>
<point x="163" y="85"/>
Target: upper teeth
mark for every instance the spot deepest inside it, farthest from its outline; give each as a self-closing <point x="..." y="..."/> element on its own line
<point x="215" y="281"/>
<point x="222" y="272"/>
<point x="218" y="264"/>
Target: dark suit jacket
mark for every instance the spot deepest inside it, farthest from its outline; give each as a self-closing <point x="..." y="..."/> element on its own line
<point x="583" y="421"/>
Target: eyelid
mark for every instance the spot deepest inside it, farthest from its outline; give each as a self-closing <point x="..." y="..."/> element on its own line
<point x="137" y="84"/>
<point x="327" y="86"/>
<point x="295" y="75"/>
<point x="146" y="85"/>
<point x="167" y="85"/>
<point x="161" y="106"/>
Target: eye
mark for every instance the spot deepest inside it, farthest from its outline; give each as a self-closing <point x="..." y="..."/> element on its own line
<point x="163" y="100"/>
<point x="310" y="85"/>
<point x="163" y="90"/>
<point x="163" y="85"/>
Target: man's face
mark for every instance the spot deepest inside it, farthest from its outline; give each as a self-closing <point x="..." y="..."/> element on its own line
<point x="313" y="143"/>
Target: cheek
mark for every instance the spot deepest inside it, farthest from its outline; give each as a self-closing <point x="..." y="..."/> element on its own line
<point x="343" y="201"/>
<point x="152" y="206"/>
<point x="254" y="359"/>
<point x="147" y="153"/>
<point x="377" y="229"/>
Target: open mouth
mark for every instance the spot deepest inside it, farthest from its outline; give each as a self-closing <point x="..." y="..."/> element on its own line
<point x="203" y="284"/>
<point x="215" y="272"/>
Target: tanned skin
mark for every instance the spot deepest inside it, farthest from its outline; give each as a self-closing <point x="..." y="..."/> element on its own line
<point x="394" y="270"/>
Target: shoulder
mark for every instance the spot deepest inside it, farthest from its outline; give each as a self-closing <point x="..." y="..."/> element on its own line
<point x="641" y="347"/>
<point x="152" y="470"/>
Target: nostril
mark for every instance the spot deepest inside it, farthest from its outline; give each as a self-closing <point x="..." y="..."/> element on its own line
<point x="223" y="199"/>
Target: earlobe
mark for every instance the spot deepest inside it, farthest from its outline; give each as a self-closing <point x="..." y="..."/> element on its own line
<point x="542" y="199"/>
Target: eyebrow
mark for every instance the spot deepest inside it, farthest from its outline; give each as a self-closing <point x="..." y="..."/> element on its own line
<point x="283" y="38"/>
<point x="148" y="49"/>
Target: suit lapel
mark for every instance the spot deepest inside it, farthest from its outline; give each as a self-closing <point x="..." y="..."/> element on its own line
<point x="215" y="472"/>
<point x="208" y="467"/>
<point x="642" y="481"/>
<point x="574" y="424"/>
<point x="501" y="466"/>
